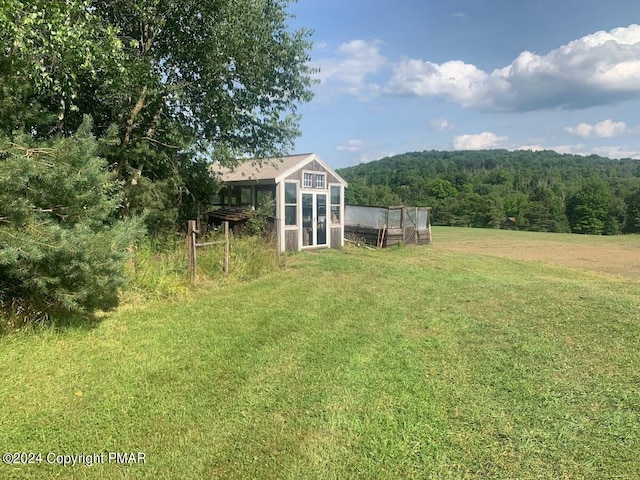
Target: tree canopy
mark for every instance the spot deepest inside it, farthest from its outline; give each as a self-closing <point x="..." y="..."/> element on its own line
<point x="168" y="84"/>
<point x="541" y="191"/>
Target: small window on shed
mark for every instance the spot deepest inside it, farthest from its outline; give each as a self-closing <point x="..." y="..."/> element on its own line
<point x="335" y="204"/>
<point x="308" y="180"/>
<point x="290" y="203"/>
<point x="319" y="180"/>
<point x="266" y="194"/>
<point x="241" y="196"/>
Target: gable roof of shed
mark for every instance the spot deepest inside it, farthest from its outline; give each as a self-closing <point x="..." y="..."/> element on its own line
<point x="276" y="169"/>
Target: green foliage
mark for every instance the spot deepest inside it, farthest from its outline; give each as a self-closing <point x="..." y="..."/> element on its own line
<point x="632" y="223"/>
<point x="440" y="189"/>
<point x="158" y="270"/>
<point x="57" y="53"/>
<point x="258" y="222"/>
<point x="61" y="246"/>
<point x="588" y="208"/>
<point x="542" y="191"/>
<point x="167" y="84"/>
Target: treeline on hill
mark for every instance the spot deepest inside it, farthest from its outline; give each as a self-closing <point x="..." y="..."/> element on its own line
<point x="538" y="191"/>
<point x="110" y="112"/>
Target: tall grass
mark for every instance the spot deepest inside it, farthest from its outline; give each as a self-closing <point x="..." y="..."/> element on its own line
<point x="159" y="271"/>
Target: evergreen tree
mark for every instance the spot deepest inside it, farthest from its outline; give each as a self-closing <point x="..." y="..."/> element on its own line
<point x="61" y="245"/>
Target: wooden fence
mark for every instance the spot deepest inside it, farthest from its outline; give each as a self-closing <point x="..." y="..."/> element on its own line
<point x="192" y="244"/>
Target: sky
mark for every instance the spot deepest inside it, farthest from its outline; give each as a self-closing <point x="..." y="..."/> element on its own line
<point x="409" y="75"/>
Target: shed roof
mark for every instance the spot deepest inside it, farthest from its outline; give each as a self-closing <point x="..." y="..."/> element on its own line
<point x="269" y="169"/>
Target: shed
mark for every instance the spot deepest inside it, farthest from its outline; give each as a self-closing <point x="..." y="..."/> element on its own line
<point x="309" y="198"/>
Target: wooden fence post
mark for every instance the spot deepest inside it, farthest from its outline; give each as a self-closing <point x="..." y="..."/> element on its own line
<point x="403" y="224"/>
<point x="191" y="250"/>
<point x="225" y="268"/>
<point x="191" y="246"/>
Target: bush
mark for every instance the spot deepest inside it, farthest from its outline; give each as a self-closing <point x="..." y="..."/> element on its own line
<point x="260" y="220"/>
<point x="61" y="244"/>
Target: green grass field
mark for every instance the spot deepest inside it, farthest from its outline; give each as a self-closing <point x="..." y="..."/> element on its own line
<point x="456" y="360"/>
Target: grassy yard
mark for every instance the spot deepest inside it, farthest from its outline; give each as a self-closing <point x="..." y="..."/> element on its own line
<point x="451" y="361"/>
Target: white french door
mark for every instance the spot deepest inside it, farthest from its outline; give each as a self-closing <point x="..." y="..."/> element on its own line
<point x="314" y="227"/>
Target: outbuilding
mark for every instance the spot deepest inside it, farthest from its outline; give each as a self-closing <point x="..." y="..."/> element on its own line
<point x="309" y="198"/>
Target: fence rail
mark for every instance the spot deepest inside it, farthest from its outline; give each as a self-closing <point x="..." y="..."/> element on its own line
<point x="192" y="244"/>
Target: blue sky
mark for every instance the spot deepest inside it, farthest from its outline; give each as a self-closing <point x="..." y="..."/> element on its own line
<point x="416" y="75"/>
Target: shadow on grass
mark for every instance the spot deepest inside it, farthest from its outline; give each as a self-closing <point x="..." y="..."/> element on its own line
<point x="12" y="323"/>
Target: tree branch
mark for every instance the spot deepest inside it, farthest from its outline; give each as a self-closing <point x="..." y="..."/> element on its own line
<point x="176" y="147"/>
<point x="32" y="151"/>
<point x="134" y="113"/>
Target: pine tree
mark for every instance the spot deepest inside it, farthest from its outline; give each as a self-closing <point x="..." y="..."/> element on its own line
<point x="61" y="245"/>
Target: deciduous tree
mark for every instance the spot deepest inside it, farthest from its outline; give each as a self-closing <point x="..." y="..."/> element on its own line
<point x="588" y="208"/>
<point x="168" y="82"/>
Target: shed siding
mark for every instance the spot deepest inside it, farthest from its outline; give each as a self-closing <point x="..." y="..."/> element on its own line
<point x="269" y="177"/>
<point x="313" y="166"/>
<point x="336" y="237"/>
<point x="291" y="240"/>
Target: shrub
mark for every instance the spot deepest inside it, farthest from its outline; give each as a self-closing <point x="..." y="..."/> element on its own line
<point x="61" y="245"/>
<point x="261" y="219"/>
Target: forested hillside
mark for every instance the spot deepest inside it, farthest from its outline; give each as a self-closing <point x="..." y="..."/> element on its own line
<point x="539" y="191"/>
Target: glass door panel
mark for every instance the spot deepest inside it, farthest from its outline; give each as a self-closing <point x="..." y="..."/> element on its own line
<point x="307" y="219"/>
<point x="321" y="219"/>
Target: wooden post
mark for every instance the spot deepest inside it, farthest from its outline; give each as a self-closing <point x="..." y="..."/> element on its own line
<point x="381" y="241"/>
<point x="191" y="250"/>
<point x="403" y="222"/>
<point x="225" y="268"/>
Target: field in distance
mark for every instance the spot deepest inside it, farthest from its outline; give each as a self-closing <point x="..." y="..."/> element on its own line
<point x="612" y="255"/>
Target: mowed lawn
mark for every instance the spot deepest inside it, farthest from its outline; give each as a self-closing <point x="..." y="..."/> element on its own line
<point x="448" y="361"/>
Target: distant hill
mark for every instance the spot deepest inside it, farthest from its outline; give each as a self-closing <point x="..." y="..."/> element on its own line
<point x="540" y="191"/>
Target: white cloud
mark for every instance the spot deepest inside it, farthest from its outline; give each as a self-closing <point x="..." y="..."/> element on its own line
<point x="352" y="145"/>
<point x="366" y="158"/>
<point x="533" y="148"/>
<point x="617" y="152"/>
<point x="598" y="69"/>
<point x="459" y="15"/>
<point x="347" y="72"/>
<point x="572" y="149"/>
<point x="585" y="150"/>
<point x="454" y="80"/>
<point x="605" y="129"/>
<point x="480" y="141"/>
<point x="577" y="149"/>
<point x="440" y="124"/>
